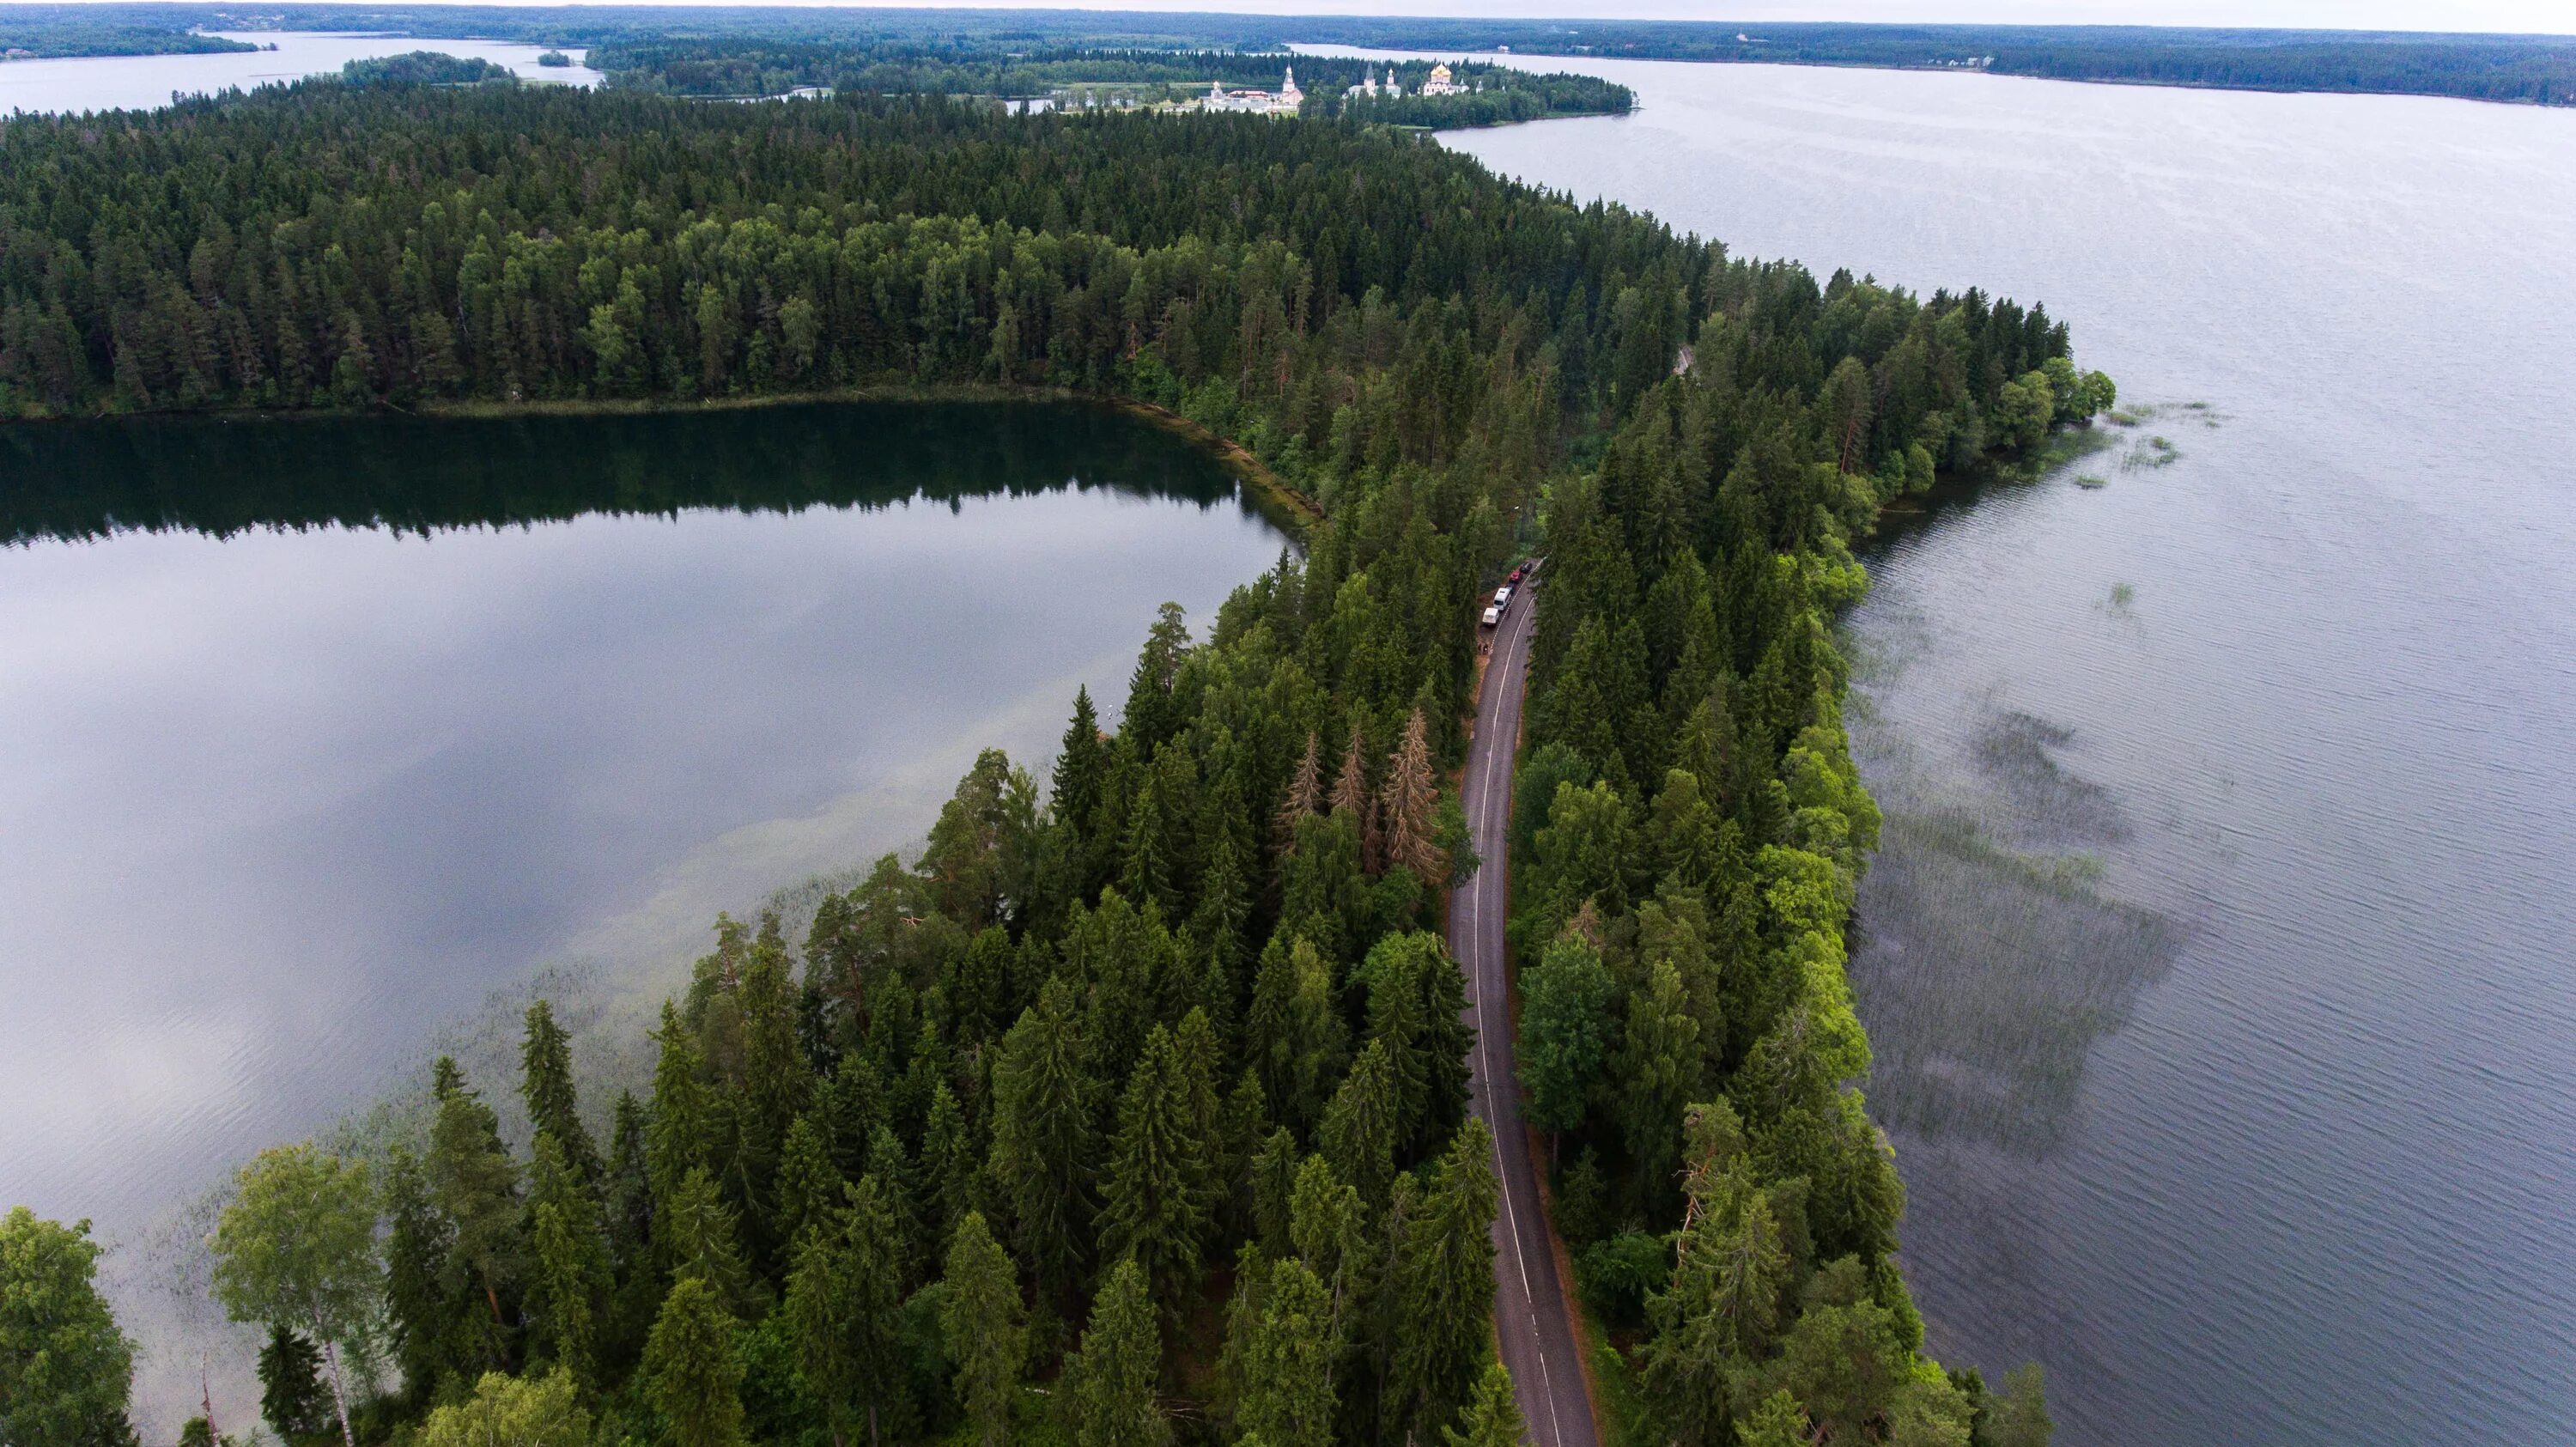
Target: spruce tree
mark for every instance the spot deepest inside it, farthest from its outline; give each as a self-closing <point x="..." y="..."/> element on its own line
<point x="681" y="1122"/>
<point x="698" y="1240"/>
<point x="1352" y="796"/>
<point x="572" y="1277"/>
<point x="545" y="1059"/>
<point x="1492" y="1418"/>
<point x="1362" y="1125"/>
<point x="1410" y="802"/>
<point x="1109" y="1383"/>
<point x="1304" y="798"/>
<point x="291" y="1394"/>
<point x="1043" y="1142"/>
<point x="1154" y="1207"/>
<point x="844" y="1309"/>
<point x="691" y="1374"/>
<point x="809" y="1185"/>
<point x="1440" y="1289"/>
<point x="948" y="1162"/>
<point x="627" y="1193"/>
<point x="420" y="1309"/>
<point x="1288" y="1391"/>
<point x="986" y="1327"/>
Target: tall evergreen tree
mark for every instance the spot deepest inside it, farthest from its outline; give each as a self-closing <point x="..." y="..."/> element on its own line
<point x="699" y="1241"/>
<point x="1410" y="802"/>
<point x="1440" y="1290"/>
<point x="572" y="1279"/>
<point x="844" y="1309"/>
<point x="987" y="1329"/>
<point x="1109" y="1384"/>
<point x="1289" y="1398"/>
<point x="681" y="1120"/>
<point x="476" y="1186"/>
<point x="1305" y="795"/>
<point x="1043" y="1140"/>
<point x="545" y="1060"/>
<point x="1492" y="1418"/>
<point x="1154" y="1208"/>
<point x="1361" y="1126"/>
<point x="420" y="1310"/>
<point x="291" y="1394"/>
<point x="691" y="1374"/>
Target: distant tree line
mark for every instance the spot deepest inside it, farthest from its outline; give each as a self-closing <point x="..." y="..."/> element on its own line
<point x="747" y="66"/>
<point x="1133" y="1107"/>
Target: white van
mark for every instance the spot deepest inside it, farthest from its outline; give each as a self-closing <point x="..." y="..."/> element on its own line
<point x="1503" y="596"/>
<point x="1493" y="616"/>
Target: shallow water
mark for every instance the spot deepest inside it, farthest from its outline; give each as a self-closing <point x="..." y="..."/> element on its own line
<point x="2218" y="959"/>
<point x="140" y="82"/>
<point x="314" y="731"/>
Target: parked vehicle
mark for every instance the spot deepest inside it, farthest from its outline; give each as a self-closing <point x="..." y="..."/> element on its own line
<point x="1503" y="596"/>
<point x="1493" y="616"/>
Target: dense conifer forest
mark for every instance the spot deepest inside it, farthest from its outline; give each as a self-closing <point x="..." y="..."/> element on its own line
<point x="1131" y="1109"/>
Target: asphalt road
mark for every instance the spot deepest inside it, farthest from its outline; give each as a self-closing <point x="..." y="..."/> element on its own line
<point x="1530" y="1317"/>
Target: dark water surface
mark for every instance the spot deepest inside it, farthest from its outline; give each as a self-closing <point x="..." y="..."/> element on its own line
<point x="313" y="731"/>
<point x="2219" y="958"/>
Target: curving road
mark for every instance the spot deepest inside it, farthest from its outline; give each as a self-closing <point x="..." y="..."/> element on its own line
<point x="1530" y="1318"/>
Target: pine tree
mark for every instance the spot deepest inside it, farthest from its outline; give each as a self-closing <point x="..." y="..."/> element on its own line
<point x="1289" y="1398"/>
<point x="1109" y="1383"/>
<point x="1043" y="1142"/>
<point x="1154" y="1209"/>
<point x="572" y="1273"/>
<point x="691" y="1374"/>
<point x="1440" y="1289"/>
<point x="476" y="1186"/>
<point x="545" y="1060"/>
<point x="1080" y="765"/>
<point x="986" y="1326"/>
<point x="844" y="1308"/>
<point x="1492" y="1418"/>
<point x="1719" y="1312"/>
<point x="776" y="1080"/>
<point x="1410" y="802"/>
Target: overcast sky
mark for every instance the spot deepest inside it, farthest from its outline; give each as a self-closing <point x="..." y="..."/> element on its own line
<point x="2552" y="16"/>
<point x="2556" y="17"/>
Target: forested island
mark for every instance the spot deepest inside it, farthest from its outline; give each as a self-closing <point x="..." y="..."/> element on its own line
<point x="753" y="66"/>
<point x="2532" y="69"/>
<point x="1131" y="1109"/>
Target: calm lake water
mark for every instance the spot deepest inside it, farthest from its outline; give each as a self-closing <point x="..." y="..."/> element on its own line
<point x="313" y="731"/>
<point x="137" y="82"/>
<point x="2219" y="959"/>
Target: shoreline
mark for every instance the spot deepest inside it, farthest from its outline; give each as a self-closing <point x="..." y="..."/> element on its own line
<point x="1296" y="511"/>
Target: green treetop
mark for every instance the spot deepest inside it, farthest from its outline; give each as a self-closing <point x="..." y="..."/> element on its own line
<point x="64" y="1366"/>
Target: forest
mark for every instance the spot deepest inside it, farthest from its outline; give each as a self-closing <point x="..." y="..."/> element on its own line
<point x="1131" y="1107"/>
<point x="763" y="67"/>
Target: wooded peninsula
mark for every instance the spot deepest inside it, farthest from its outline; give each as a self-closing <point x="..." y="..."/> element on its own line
<point x="1132" y="1109"/>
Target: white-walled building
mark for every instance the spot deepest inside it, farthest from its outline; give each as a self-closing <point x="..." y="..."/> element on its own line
<point x="1282" y="102"/>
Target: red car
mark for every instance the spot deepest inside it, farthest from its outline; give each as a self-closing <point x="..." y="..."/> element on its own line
<point x="1517" y="572"/>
